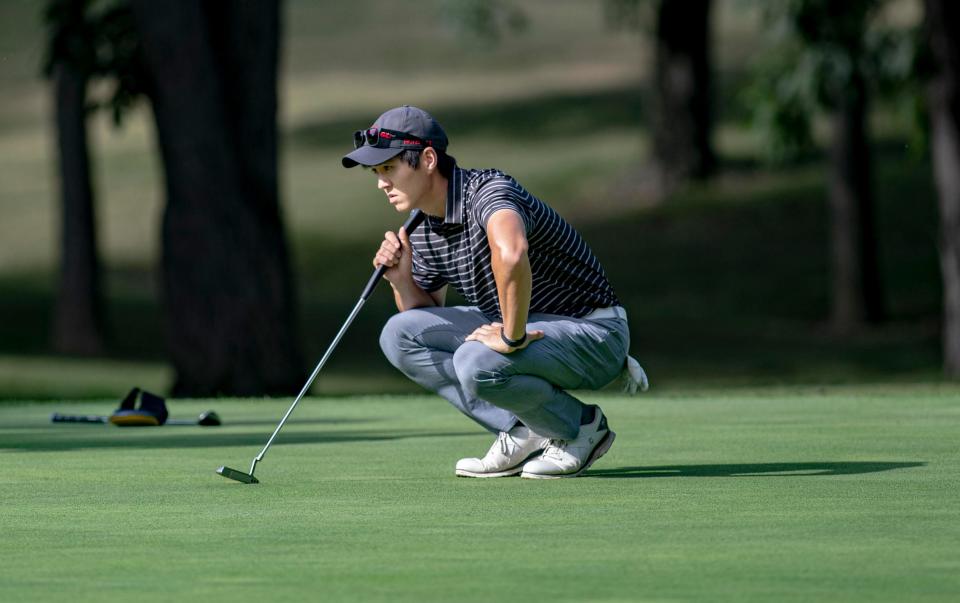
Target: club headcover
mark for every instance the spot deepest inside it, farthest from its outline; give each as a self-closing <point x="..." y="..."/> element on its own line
<point x="152" y="411"/>
<point x="154" y="405"/>
<point x="133" y="418"/>
<point x="130" y="402"/>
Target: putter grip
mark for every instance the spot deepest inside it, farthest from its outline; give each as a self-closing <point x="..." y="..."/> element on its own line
<point x="416" y="217"/>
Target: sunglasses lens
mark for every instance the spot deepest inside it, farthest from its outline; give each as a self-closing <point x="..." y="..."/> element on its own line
<point x="369" y="136"/>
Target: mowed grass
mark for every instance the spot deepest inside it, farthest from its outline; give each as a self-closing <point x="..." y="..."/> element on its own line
<point x="843" y="493"/>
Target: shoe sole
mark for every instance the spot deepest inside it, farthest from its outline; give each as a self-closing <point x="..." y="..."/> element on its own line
<point x="508" y="473"/>
<point x="599" y="451"/>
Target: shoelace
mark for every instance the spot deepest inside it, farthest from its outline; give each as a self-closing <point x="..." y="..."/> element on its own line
<point x="505" y="440"/>
<point x="555" y="449"/>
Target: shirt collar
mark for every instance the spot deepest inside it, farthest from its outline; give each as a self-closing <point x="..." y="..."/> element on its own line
<point x="455" y="198"/>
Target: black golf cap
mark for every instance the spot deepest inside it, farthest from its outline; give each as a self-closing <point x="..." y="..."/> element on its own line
<point x="395" y="131"/>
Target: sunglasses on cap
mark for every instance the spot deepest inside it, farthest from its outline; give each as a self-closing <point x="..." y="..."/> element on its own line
<point x="386" y="139"/>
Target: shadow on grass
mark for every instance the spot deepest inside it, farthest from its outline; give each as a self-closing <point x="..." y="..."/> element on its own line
<point x="51" y="441"/>
<point x="273" y="423"/>
<point x="754" y="469"/>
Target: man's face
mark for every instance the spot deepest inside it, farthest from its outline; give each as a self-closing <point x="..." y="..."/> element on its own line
<point x="404" y="186"/>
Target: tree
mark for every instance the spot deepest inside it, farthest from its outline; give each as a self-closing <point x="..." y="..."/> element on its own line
<point x="830" y="66"/>
<point x="88" y="40"/>
<point x="77" y="320"/>
<point x="681" y="117"/>
<point x="228" y="292"/>
<point x="682" y="120"/>
<point x="857" y="290"/>
<point x="943" y="30"/>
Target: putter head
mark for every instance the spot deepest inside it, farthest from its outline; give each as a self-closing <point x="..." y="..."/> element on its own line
<point x="209" y="419"/>
<point x="239" y="476"/>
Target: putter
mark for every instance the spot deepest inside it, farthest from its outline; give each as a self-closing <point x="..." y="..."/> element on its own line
<point x="416" y="217"/>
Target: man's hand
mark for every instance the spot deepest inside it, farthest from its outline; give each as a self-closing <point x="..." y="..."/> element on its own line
<point x="489" y="335"/>
<point x="395" y="254"/>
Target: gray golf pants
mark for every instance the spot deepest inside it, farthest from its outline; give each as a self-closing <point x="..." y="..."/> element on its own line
<point x="494" y="389"/>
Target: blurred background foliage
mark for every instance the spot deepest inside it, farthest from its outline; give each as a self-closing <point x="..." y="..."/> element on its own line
<point x="726" y="273"/>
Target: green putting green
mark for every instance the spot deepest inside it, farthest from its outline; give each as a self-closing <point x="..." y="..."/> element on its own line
<point x="842" y="493"/>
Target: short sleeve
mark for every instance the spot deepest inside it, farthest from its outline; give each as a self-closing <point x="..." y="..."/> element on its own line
<point x="501" y="193"/>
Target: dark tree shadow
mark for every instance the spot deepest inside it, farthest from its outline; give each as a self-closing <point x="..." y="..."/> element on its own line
<point x="754" y="469"/>
<point x="561" y="114"/>
<point x="106" y="436"/>
<point x="273" y="422"/>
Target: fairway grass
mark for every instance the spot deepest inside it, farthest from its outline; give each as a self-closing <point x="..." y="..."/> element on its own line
<point x="839" y="494"/>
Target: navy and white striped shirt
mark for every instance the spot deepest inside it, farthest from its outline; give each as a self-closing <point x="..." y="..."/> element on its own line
<point x="567" y="277"/>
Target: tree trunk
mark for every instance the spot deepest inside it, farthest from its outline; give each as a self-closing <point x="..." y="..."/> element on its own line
<point x="943" y="27"/>
<point x="682" y="112"/>
<point x="228" y="293"/>
<point x="77" y="325"/>
<point x="857" y="292"/>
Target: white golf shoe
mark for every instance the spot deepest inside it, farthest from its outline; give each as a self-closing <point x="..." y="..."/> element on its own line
<point x="507" y="455"/>
<point x="570" y="458"/>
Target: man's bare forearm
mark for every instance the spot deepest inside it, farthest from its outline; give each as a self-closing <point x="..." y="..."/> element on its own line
<point x="409" y="295"/>
<point x="511" y="270"/>
<point x="514" y="283"/>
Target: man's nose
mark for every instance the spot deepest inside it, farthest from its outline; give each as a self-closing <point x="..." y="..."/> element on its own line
<point x="382" y="183"/>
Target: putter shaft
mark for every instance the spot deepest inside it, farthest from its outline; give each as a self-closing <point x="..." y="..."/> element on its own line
<point x="306" y="387"/>
<point x="416" y="217"/>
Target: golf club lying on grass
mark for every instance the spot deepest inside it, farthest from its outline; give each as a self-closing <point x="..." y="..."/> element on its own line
<point x="416" y="217"/>
<point x="151" y="412"/>
<point x="206" y="419"/>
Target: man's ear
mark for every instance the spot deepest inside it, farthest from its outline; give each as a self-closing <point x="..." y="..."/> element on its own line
<point x="429" y="159"/>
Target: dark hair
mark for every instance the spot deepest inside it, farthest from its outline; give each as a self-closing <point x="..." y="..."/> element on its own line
<point x="445" y="163"/>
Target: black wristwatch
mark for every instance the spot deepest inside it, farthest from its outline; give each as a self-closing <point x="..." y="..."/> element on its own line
<point x="513" y="343"/>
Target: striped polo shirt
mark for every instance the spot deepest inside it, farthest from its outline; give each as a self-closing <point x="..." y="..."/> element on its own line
<point x="567" y="277"/>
